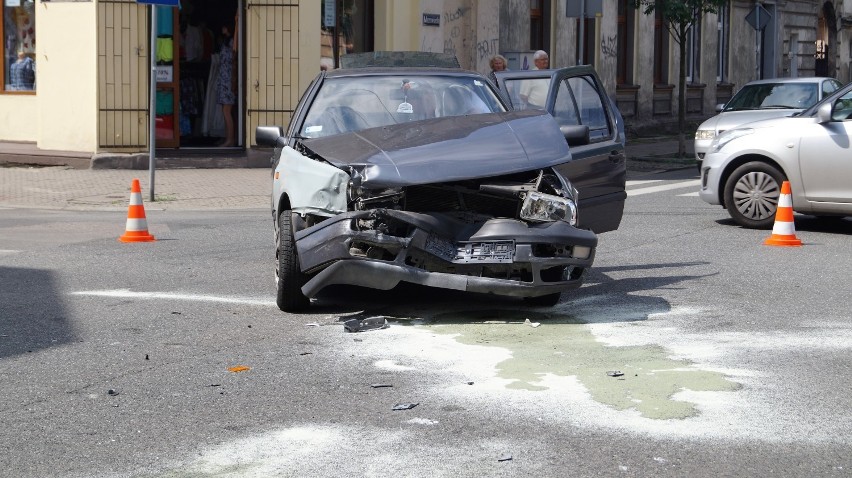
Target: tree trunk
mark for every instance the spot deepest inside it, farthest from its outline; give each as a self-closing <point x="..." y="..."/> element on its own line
<point x="681" y="95"/>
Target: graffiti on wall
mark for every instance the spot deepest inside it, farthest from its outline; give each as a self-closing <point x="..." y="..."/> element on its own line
<point x="454" y="38"/>
<point x="609" y="47"/>
<point x="486" y="48"/>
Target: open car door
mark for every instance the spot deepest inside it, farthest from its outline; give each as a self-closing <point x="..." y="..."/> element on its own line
<point x="593" y="128"/>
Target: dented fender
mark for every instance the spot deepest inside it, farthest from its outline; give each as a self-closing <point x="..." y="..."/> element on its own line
<point x="313" y="187"/>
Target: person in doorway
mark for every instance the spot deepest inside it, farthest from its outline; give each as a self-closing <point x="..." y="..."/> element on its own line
<point x="497" y="63"/>
<point x="227" y="82"/>
<point x="534" y="92"/>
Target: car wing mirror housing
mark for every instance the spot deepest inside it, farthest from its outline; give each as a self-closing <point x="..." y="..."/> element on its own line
<point x="823" y="114"/>
<point x="720" y="107"/>
<point x="268" y="136"/>
<point x="576" y="135"/>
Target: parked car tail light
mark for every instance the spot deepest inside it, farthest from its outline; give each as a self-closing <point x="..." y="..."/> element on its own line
<point x="538" y="207"/>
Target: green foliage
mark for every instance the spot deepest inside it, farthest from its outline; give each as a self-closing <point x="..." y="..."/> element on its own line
<point x="679" y="15"/>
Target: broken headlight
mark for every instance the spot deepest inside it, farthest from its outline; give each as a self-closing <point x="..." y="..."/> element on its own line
<point x="540" y="207"/>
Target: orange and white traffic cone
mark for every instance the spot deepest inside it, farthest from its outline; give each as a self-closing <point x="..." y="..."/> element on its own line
<point x="784" y="231"/>
<point x="137" y="225"/>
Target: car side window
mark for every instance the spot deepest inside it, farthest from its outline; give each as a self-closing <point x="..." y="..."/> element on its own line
<point x="829" y="87"/>
<point x="565" y="108"/>
<point x="842" y="110"/>
<point x="591" y="107"/>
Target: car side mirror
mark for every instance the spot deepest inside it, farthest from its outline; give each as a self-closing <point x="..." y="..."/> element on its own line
<point x="576" y="135"/>
<point x="720" y="107"/>
<point x="267" y="136"/>
<point x="823" y="114"/>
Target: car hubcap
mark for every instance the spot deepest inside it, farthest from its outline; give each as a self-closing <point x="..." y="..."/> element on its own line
<point x="277" y="257"/>
<point x="756" y="195"/>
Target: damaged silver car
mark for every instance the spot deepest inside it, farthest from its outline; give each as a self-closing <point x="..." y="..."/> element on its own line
<point x="425" y="176"/>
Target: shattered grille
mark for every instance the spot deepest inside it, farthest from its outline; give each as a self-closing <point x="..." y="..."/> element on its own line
<point x="439" y="199"/>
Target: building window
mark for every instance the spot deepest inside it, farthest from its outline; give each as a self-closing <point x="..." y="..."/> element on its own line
<point x="693" y="50"/>
<point x="722" y="44"/>
<point x="352" y="21"/>
<point x="661" y="51"/>
<point x="624" y="49"/>
<point x="18" y="46"/>
<point x="539" y="24"/>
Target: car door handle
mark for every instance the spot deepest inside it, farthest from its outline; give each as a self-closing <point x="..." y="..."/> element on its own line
<point x="616" y="156"/>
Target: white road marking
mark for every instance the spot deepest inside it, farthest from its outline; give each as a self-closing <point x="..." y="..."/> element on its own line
<point x="127" y="294"/>
<point x="692" y="194"/>
<point x="637" y="182"/>
<point x="665" y="187"/>
<point x="8" y="251"/>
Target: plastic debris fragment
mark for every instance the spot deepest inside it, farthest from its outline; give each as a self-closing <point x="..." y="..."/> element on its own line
<point x="239" y="368"/>
<point x="363" y="325"/>
<point x="615" y="373"/>
<point x="531" y="324"/>
<point x="505" y="457"/>
<point x="405" y="406"/>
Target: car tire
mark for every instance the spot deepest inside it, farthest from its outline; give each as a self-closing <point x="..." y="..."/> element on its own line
<point x="751" y="194"/>
<point x="289" y="278"/>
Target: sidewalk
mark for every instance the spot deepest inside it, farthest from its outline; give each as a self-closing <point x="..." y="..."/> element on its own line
<point x="203" y="188"/>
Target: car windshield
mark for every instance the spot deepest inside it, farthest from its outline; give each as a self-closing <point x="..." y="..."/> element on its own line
<point x="348" y="104"/>
<point x="774" y="96"/>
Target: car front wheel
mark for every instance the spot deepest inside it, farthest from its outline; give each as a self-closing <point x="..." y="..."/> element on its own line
<point x="751" y="194"/>
<point x="289" y="278"/>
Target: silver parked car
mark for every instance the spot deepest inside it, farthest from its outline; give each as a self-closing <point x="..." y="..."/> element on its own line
<point x="745" y="166"/>
<point x="763" y="99"/>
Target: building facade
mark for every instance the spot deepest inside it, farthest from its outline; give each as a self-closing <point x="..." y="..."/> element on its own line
<point x="76" y="73"/>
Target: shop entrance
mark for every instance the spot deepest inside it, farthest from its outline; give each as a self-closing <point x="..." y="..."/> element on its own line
<point x="200" y="61"/>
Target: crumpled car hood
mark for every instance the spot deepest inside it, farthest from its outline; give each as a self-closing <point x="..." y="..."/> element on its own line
<point x="447" y="149"/>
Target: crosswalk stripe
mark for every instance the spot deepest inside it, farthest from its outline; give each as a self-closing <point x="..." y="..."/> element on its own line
<point x="664" y="187"/>
<point x="637" y="182"/>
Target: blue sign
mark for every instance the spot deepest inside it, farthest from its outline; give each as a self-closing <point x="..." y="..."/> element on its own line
<point x="166" y="3"/>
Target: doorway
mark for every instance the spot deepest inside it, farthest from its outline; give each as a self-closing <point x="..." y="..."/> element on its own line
<point x="199" y="52"/>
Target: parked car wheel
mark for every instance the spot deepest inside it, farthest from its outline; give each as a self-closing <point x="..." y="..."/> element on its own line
<point x="289" y="279"/>
<point x="751" y="194"/>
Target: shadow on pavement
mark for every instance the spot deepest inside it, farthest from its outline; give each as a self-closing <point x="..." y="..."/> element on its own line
<point x="600" y="299"/>
<point x="32" y="317"/>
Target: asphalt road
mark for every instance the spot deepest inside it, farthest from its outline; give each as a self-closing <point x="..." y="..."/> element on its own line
<point x="733" y="357"/>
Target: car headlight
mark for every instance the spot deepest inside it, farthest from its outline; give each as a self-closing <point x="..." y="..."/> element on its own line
<point x="720" y="141"/>
<point x="705" y="134"/>
<point x="540" y="207"/>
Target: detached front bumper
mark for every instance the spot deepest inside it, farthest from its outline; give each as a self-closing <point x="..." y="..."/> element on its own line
<point x="499" y="256"/>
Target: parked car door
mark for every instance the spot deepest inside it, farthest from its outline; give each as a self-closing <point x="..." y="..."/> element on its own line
<point x="593" y="128"/>
<point x="824" y="158"/>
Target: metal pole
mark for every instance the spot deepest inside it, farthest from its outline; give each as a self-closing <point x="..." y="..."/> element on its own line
<point x="240" y="77"/>
<point x="152" y="103"/>
<point x="758" y="33"/>
<point x="582" y="31"/>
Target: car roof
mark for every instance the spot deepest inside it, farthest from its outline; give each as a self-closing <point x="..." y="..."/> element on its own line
<point x="810" y="79"/>
<point x="399" y="71"/>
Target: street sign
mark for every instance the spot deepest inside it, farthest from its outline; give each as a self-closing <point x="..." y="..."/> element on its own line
<point x="165" y="3"/>
<point x="758" y="17"/>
